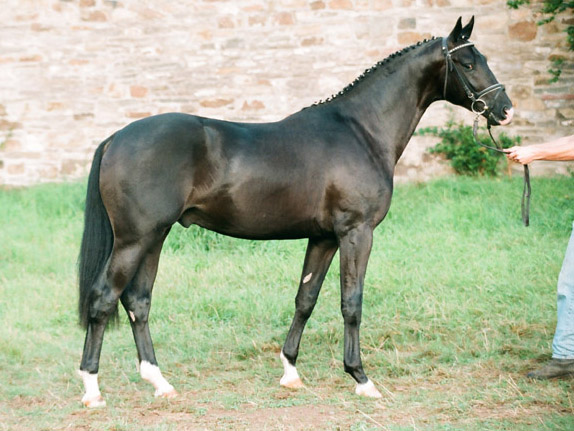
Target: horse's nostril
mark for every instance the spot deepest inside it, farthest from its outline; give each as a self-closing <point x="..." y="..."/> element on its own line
<point x="507" y="114"/>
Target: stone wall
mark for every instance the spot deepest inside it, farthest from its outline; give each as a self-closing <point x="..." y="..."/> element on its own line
<point x="72" y="72"/>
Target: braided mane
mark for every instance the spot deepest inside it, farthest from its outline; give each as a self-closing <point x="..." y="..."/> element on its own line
<point x="370" y="71"/>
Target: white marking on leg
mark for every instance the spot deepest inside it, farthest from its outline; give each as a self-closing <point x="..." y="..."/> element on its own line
<point x="307" y="278"/>
<point x="290" y="377"/>
<point x="132" y="316"/>
<point x="152" y="374"/>
<point x="368" y="390"/>
<point x="92" y="396"/>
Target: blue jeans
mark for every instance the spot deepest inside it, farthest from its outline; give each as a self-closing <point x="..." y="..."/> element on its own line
<point x="563" y="344"/>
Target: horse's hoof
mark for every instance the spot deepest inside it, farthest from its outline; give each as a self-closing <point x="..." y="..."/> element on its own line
<point x="93" y="403"/>
<point x="368" y="390"/>
<point x="167" y="395"/>
<point x="292" y="383"/>
<point x="290" y="377"/>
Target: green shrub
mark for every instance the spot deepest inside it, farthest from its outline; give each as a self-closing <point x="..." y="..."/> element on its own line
<point x="466" y="156"/>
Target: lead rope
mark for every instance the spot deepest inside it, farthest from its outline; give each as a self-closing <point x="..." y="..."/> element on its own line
<point x="526" y="191"/>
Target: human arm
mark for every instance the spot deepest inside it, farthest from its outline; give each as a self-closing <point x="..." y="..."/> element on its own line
<point x="560" y="149"/>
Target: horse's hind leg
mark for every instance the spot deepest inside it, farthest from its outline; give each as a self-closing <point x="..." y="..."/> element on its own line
<point x="120" y="269"/>
<point x="317" y="260"/>
<point x="136" y="300"/>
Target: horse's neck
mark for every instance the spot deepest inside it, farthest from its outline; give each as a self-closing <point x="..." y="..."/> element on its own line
<point x="390" y="105"/>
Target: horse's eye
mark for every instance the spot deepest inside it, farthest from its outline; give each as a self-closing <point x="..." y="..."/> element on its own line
<point x="469" y="66"/>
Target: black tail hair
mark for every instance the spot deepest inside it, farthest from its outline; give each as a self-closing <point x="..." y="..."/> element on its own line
<point x="97" y="240"/>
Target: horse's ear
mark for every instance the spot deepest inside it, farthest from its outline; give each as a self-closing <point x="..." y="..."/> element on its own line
<point x="467" y="30"/>
<point x="455" y="33"/>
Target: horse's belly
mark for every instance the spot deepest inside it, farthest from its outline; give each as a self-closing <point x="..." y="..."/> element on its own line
<point x="255" y="221"/>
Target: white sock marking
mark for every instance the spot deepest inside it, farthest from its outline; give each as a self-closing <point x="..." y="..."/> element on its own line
<point x="290" y="373"/>
<point x="368" y="389"/>
<point x="92" y="397"/>
<point x="307" y="278"/>
<point x="152" y="374"/>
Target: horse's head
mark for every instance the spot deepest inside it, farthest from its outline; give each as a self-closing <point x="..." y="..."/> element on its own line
<point x="469" y="82"/>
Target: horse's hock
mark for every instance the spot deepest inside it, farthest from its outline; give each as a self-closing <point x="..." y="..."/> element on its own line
<point x="74" y="71"/>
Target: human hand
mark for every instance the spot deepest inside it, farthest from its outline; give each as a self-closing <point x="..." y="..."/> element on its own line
<point x="522" y="155"/>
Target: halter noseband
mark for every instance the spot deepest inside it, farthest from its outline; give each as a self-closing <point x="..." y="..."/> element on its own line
<point x="476" y="97"/>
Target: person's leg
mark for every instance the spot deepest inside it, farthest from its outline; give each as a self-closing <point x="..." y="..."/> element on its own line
<point x="562" y="362"/>
<point x="563" y="344"/>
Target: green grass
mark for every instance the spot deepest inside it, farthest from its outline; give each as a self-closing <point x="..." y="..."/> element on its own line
<point x="459" y="304"/>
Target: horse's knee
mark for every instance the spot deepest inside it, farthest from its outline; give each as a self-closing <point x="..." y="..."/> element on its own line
<point x="351" y="311"/>
<point x="137" y="307"/>
<point x="304" y="307"/>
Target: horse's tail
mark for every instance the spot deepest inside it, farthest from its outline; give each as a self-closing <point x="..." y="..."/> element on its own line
<point x="97" y="240"/>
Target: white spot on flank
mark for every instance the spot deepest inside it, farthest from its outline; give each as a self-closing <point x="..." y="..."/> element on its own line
<point x="132" y="316"/>
<point x="308" y="277"/>
<point x="152" y="374"/>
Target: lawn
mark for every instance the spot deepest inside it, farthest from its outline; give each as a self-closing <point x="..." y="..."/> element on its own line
<point x="459" y="305"/>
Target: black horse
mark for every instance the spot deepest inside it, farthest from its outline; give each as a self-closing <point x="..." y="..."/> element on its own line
<point x="324" y="173"/>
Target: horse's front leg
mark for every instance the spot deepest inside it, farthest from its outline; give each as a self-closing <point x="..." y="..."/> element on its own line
<point x="318" y="258"/>
<point x="355" y="247"/>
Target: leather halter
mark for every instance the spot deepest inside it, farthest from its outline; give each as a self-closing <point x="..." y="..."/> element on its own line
<point x="476" y="98"/>
<point x="473" y="95"/>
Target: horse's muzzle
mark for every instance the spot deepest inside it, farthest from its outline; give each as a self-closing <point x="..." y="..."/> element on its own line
<point x="509" y="114"/>
<point x="503" y="119"/>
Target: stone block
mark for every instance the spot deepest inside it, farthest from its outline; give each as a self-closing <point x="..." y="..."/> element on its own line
<point x="411" y="37"/>
<point x="215" y="103"/>
<point x="14" y="168"/>
<point x="382" y="4"/>
<point x="257" y="20"/>
<point x="254" y="105"/>
<point x="226" y="22"/>
<point x="95" y="16"/>
<point x="341" y="4"/>
<point x="9" y="125"/>
<point x="138" y="91"/>
<point x="407" y="23"/>
<point x="284" y="18"/>
<point x="138" y="114"/>
<point x="10" y="145"/>
<point x="524" y="31"/>
<point x="72" y="167"/>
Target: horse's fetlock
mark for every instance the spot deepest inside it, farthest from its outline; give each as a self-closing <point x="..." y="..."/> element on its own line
<point x="351" y="314"/>
<point x="351" y="368"/>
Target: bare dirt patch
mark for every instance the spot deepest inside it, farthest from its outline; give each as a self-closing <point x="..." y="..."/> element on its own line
<point x="463" y="397"/>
